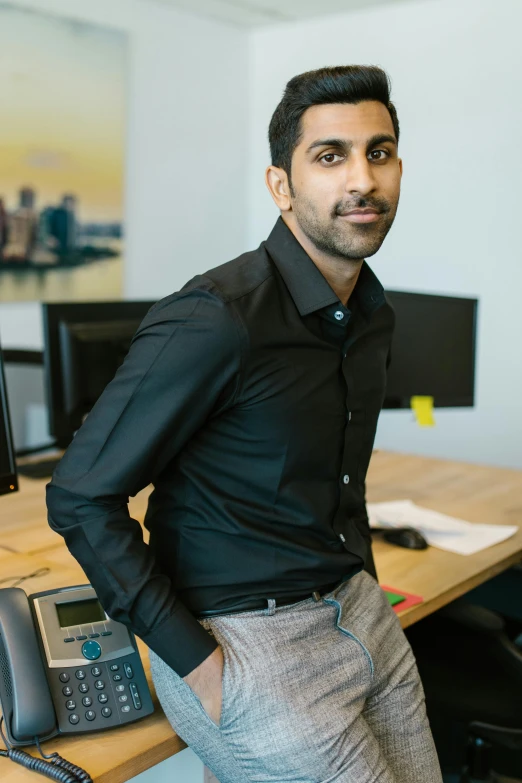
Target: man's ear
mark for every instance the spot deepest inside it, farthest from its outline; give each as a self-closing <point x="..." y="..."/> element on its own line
<point x="276" y="180"/>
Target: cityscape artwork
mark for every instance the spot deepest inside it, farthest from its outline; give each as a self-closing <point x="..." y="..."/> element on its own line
<point x="62" y="140"/>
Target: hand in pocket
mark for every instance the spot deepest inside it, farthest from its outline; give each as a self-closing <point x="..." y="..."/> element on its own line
<point x="206" y="682"/>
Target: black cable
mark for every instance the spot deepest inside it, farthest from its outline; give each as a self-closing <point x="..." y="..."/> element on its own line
<point x="39" y="572"/>
<point x="58" y="768"/>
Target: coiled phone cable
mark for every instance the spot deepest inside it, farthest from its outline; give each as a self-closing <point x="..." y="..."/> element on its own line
<point x="57" y="768"/>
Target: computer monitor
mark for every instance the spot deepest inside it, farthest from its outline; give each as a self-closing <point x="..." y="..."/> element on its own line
<point x="84" y="344"/>
<point x="8" y="479"/>
<point x="432" y="350"/>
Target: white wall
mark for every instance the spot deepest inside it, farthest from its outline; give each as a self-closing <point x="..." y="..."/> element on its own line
<point x="455" y="67"/>
<point x="186" y="148"/>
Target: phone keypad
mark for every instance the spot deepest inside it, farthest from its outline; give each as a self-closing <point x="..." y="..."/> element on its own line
<point x="117" y="694"/>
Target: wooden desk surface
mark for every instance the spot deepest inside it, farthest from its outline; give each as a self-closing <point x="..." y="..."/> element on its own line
<point x="475" y="493"/>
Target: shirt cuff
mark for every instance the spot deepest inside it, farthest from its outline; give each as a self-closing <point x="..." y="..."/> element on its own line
<point x="181" y="641"/>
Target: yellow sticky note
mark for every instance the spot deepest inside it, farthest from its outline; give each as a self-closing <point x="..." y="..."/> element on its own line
<point x="423" y="409"/>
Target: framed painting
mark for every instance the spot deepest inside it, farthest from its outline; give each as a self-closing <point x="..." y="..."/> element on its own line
<point x="62" y="141"/>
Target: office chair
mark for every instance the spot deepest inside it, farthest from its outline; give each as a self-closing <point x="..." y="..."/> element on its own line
<point x="471" y="670"/>
<point x="482" y="737"/>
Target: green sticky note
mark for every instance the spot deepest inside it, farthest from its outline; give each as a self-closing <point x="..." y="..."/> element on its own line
<point x="394" y="598"/>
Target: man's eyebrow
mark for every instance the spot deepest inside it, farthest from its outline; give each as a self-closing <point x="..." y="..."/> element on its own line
<point x="378" y="138"/>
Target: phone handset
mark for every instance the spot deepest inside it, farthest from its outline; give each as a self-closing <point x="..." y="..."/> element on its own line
<point x="28" y="711"/>
<point x="24" y="681"/>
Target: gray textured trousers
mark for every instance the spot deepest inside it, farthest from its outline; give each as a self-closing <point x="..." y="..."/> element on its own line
<point x="314" y="692"/>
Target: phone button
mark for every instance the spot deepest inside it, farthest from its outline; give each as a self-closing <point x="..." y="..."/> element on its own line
<point x="116" y="677"/>
<point x="87" y="701"/>
<point x="95" y="671"/>
<point x="94" y="635"/>
<point x="90" y="715"/>
<point x="74" y="718"/>
<point x="128" y="671"/>
<point x="119" y="689"/>
<point x="99" y="685"/>
<point x="71" y="705"/>
<point x="106" y="712"/>
<point x="79" y="673"/>
<point x="63" y="677"/>
<point x="106" y="633"/>
<point x="114" y="667"/>
<point x="91" y="650"/>
<point x="83" y="687"/>
<point x="135" y="695"/>
<point x="103" y="698"/>
<point x="125" y="708"/>
<point x="82" y="637"/>
<point x="67" y="691"/>
<point x="69" y="639"/>
<point x="123" y="697"/>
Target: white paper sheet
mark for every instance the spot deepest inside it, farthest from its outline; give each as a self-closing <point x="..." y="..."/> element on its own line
<point x="450" y="533"/>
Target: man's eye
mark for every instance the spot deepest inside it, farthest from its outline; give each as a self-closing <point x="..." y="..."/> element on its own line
<point x="385" y="151"/>
<point x="328" y="158"/>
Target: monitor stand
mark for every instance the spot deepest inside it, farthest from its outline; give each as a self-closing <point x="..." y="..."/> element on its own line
<point x="39" y="467"/>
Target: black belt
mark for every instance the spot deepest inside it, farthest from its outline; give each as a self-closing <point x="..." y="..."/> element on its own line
<point x="262" y="603"/>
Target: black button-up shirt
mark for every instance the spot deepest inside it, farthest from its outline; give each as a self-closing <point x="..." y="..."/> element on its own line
<point x="250" y="400"/>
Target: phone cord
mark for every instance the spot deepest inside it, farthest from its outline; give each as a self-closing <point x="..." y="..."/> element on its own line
<point x="57" y="768"/>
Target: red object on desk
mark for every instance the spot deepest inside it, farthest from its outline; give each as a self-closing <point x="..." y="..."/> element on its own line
<point x="411" y="599"/>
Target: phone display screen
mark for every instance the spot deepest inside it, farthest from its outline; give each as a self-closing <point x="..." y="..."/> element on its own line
<point x="79" y="612"/>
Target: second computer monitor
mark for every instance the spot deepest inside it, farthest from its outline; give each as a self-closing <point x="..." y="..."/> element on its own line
<point x="432" y="350"/>
<point x="84" y="344"/>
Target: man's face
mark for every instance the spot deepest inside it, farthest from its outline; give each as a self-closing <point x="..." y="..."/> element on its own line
<point x="346" y="159"/>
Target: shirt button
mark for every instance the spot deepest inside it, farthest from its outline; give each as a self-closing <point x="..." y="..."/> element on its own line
<point x="339" y="315"/>
<point x="346" y="478"/>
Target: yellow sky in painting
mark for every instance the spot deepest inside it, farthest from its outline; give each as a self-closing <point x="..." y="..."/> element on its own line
<point x="62" y="96"/>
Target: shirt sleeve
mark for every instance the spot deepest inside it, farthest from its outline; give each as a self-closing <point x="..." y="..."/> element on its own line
<point x="182" y="367"/>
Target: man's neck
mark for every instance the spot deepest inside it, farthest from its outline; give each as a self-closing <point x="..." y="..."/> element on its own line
<point x="342" y="274"/>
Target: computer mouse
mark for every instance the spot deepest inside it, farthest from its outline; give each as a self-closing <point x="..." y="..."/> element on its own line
<point x="407" y="537"/>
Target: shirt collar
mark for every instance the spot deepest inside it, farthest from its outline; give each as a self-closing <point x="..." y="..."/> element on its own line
<point x="308" y="287"/>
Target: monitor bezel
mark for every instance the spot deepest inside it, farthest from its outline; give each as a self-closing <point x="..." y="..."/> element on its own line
<point x="9" y="481"/>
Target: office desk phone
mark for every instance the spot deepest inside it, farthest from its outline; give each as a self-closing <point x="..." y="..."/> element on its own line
<point x="65" y="667"/>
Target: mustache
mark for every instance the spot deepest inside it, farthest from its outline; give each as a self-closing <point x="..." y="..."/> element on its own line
<point x="342" y="208"/>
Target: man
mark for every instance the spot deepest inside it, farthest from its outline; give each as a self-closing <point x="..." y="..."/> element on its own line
<point x="250" y="400"/>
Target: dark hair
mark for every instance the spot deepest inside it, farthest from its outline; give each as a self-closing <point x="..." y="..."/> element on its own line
<point x="340" y="84"/>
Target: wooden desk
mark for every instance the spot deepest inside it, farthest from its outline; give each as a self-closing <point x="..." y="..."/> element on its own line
<point x="473" y="492"/>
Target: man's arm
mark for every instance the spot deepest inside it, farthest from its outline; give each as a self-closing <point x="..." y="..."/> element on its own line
<point x="182" y="366"/>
